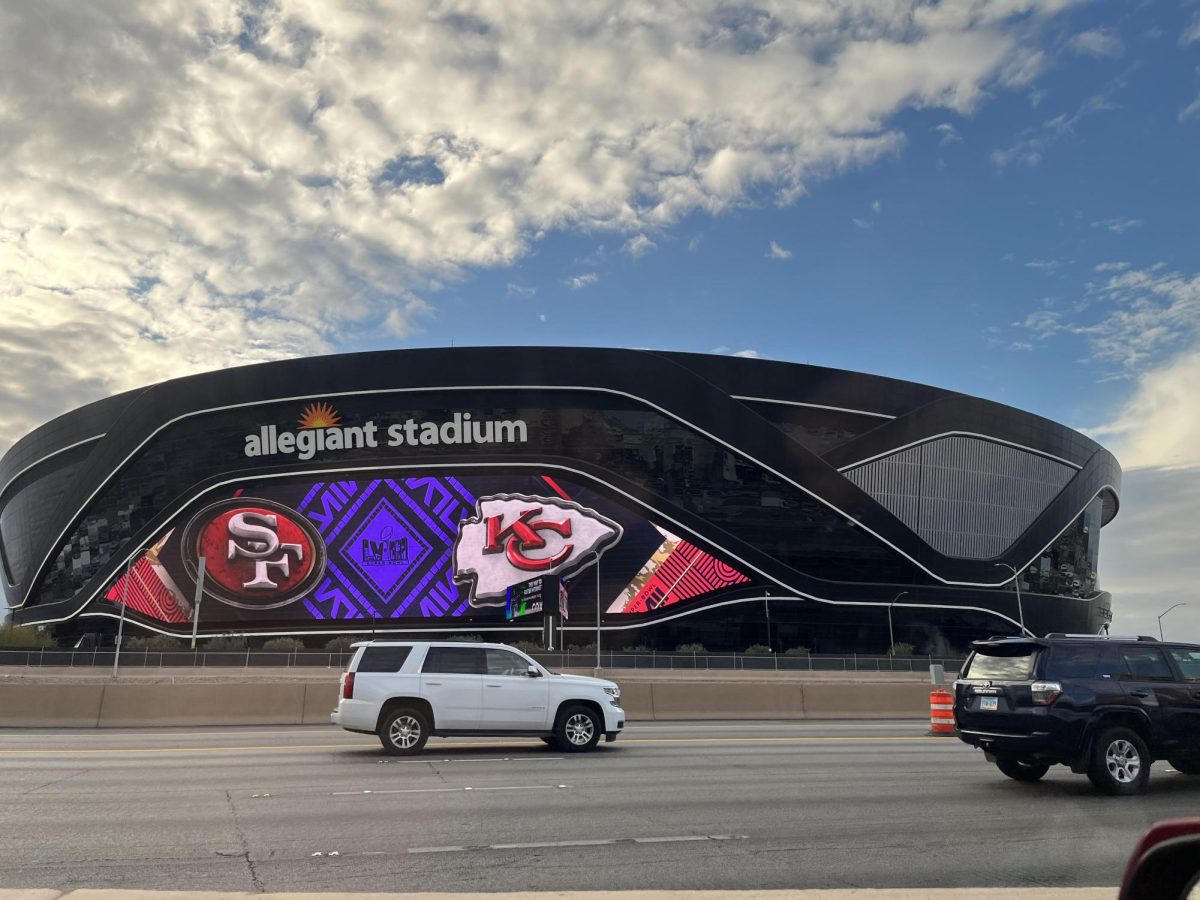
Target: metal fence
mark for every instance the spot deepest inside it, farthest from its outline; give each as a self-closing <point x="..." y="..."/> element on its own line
<point x="569" y="659"/>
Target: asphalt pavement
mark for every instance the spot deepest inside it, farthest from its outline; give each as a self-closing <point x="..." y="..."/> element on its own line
<point x="712" y="805"/>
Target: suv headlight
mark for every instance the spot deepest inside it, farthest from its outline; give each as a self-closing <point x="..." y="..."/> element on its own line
<point x="614" y="692"/>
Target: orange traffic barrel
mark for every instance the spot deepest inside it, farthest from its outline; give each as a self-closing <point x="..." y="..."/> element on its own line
<point x="941" y="712"/>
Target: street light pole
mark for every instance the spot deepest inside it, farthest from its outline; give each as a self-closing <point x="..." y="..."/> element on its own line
<point x="1160" y="618"/>
<point x="891" y="634"/>
<point x="1017" y="588"/>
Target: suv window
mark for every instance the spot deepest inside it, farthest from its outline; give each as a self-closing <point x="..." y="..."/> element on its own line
<point x="505" y="662"/>
<point x="383" y="659"/>
<point x="454" y="660"/>
<point x="1067" y="661"/>
<point x="1188" y="662"/>
<point x="1001" y="668"/>
<point x="1146" y="664"/>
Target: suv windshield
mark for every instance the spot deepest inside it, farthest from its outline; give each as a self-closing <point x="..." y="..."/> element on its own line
<point x="1002" y="668"/>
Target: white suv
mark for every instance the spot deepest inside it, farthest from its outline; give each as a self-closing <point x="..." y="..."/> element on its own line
<point x="406" y="691"/>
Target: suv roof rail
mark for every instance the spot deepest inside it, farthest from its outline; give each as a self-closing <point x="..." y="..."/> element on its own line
<point x="1103" y="637"/>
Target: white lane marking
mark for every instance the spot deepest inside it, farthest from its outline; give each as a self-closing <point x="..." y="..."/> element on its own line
<point x="451" y="790"/>
<point x="597" y="842"/>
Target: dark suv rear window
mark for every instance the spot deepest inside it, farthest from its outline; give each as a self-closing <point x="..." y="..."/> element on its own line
<point x="383" y="659"/>
<point x="1002" y="668"/>
<point x="1081" y="661"/>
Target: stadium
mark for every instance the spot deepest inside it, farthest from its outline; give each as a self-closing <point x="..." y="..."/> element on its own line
<point x="674" y="497"/>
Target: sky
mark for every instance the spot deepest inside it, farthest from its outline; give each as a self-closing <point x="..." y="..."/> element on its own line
<point x="996" y="197"/>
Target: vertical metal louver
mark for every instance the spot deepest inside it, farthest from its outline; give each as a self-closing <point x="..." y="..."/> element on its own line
<point x="965" y="497"/>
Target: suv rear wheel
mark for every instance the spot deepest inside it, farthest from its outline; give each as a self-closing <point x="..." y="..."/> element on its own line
<point x="403" y="732"/>
<point x="1022" y="771"/>
<point x="1120" y="762"/>
<point x="578" y="729"/>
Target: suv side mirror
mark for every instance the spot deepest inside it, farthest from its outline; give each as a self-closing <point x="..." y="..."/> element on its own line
<point x="533" y="672"/>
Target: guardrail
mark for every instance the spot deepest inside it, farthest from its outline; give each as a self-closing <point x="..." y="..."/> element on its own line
<point x="569" y="659"/>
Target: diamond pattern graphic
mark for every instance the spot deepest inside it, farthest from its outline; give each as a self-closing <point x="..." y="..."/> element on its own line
<point x="384" y="550"/>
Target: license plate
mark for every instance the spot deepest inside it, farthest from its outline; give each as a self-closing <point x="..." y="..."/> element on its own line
<point x="989" y="704"/>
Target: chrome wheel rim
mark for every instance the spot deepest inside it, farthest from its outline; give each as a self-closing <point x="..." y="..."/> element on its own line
<point x="580" y="729"/>
<point x="1123" y="761"/>
<point x="404" y="732"/>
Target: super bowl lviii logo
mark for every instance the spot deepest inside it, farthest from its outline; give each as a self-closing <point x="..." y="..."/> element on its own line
<point x="258" y="554"/>
<point x="514" y="537"/>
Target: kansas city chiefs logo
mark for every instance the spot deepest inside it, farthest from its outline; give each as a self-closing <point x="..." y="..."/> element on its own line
<point x="513" y="538"/>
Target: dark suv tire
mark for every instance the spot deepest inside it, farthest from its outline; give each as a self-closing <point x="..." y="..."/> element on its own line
<point x="1120" y="763"/>
<point x="1021" y="771"/>
<point x="403" y="731"/>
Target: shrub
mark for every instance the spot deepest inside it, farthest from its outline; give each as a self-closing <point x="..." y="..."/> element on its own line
<point x="758" y="650"/>
<point x="284" y="645"/>
<point x="640" y="648"/>
<point x="900" y="648"/>
<point x="527" y="646"/>
<point x="691" y="648"/>
<point x="797" y="651"/>
<point x="466" y="638"/>
<point x="154" y="642"/>
<point x="341" y="643"/>
<point x="24" y="636"/>
<point x="226" y="642"/>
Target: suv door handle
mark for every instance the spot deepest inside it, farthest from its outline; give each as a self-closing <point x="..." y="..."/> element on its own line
<point x="492" y="685"/>
<point x="1141" y="695"/>
<point x="433" y="682"/>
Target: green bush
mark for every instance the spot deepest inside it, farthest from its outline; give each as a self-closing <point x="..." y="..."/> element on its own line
<point x="465" y="638"/>
<point x="527" y="646"/>
<point x="797" y="651"/>
<point x="154" y="643"/>
<point x="226" y="642"/>
<point x="900" y="648"/>
<point x="341" y="643"/>
<point x="758" y="650"/>
<point x="24" y="636"/>
<point x="283" y="645"/>
<point x="691" y="648"/>
<point x="640" y="648"/>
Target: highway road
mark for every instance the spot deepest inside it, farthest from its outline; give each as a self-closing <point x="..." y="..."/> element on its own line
<point x="716" y="805"/>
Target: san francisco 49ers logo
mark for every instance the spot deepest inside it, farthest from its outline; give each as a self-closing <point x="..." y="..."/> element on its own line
<point x="514" y="537"/>
<point x="258" y="554"/>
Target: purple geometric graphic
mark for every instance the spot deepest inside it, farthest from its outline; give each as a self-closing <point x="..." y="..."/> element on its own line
<point x="390" y="546"/>
<point x="384" y="550"/>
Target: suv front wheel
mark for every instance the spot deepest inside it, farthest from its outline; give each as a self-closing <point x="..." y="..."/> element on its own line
<point x="578" y="729"/>
<point x="403" y="732"/>
<point x="1120" y="762"/>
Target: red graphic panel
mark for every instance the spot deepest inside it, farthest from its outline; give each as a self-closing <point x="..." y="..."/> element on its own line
<point x="150" y="595"/>
<point x="686" y="572"/>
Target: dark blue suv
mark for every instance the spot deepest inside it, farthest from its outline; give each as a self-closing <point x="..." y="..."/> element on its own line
<point x="1107" y="707"/>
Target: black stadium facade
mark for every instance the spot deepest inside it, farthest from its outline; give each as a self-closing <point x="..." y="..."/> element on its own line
<point x="687" y="498"/>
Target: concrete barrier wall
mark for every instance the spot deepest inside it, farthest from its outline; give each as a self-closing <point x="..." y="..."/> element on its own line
<point x="124" y="704"/>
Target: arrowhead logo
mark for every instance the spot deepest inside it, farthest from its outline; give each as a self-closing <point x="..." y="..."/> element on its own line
<point x="514" y="537"/>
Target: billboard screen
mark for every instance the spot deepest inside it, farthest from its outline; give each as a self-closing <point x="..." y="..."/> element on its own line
<point x="394" y="545"/>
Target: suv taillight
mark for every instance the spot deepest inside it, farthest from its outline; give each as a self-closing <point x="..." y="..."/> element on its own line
<point x="1045" y="692"/>
<point x="348" y="686"/>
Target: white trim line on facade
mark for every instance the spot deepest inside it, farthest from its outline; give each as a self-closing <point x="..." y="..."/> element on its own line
<point x="845" y="409"/>
<point x="63" y="534"/>
<point x="970" y="434"/>
<point x="40" y="460"/>
<point x="536" y="466"/>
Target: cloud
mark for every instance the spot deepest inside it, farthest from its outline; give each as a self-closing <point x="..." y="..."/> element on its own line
<point x="1031" y="144"/>
<point x="1098" y="42"/>
<point x="639" y="245"/>
<point x="581" y="281"/>
<point x="541" y="317"/>
<point x="1190" y="110"/>
<point x="777" y="252"/>
<point x="1118" y="225"/>
<point x="949" y="134"/>
<point x="747" y="354"/>
<point x="1146" y="315"/>
<point x="1157" y="427"/>
<point x="512" y="289"/>
<point x="192" y="186"/>
<point x="1112" y="267"/>
<point x="726" y="351"/>
<point x="861" y="223"/>
<point x="1042" y="324"/>
<point x="1148" y="557"/>
<point x="1191" y="34"/>
<point x="876" y="206"/>
<point x="1048" y="266"/>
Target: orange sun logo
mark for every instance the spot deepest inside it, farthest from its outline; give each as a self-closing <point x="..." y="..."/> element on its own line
<point x="319" y="415"/>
